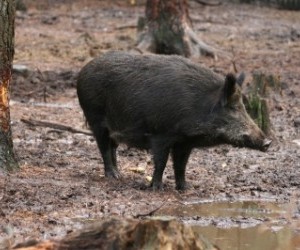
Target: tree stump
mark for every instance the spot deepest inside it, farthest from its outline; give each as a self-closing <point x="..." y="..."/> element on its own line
<point x="167" y="29"/>
<point x="255" y="99"/>
<point x="120" y="233"/>
<point x="258" y="109"/>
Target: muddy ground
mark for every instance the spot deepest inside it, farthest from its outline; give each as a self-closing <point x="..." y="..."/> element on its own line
<point x="61" y="183"/>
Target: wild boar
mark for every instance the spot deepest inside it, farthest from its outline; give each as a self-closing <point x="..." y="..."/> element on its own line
<point x="167" y="104"/>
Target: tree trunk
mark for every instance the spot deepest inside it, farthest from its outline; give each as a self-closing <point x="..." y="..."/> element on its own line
<point x="7" y="19"/>
<point x="167" y="29"/>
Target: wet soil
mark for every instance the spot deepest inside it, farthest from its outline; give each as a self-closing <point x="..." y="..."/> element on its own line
<point x="61" y="183"/>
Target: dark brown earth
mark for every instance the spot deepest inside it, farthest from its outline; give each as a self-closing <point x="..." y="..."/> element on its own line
<point x="61" y="183"/>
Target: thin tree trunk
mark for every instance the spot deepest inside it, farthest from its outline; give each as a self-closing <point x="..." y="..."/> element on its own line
<point x="7" y="17"/>
<point x="167" y="29"/>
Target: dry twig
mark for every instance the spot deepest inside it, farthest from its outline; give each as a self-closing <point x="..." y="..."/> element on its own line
<point x="57" y="126"/>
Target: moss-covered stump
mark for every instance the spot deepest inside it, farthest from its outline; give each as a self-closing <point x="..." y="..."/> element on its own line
<point x="258" y="109"/>
<point x="256" y="99"/>
<point x="117" y="233"/>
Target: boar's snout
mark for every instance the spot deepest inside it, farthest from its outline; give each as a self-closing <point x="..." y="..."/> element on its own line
<point x="259" y="143"/>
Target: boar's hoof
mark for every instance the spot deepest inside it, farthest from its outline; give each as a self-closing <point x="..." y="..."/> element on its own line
<point x="266" y="144"/>
<point x="183" y="186"/>
<point x="156" y="186"/>
<point x="114" y="173"/>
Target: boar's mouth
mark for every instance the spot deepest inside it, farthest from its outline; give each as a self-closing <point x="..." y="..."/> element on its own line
<point x="261" y="145"/>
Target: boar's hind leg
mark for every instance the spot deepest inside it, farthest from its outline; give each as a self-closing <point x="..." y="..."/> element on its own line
<point x="180" y="155"/>
<point x="160" y="151"/>
<point x="108" y="151"/>
<point x="114" y="154"/>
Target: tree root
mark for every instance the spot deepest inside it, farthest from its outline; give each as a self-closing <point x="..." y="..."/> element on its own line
<point x="197" y="46"/>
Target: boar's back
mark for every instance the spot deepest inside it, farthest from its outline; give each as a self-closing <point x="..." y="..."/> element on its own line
<point x="142" y="95"/>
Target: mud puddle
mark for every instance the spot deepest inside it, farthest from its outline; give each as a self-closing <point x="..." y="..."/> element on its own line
<point x="253" y="225"/>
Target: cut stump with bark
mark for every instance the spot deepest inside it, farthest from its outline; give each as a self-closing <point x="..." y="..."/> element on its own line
<point x="167" y="29"/>
<point x="120" y="233"/>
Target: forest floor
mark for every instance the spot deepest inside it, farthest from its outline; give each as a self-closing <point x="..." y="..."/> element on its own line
<point x="61" y="183"/>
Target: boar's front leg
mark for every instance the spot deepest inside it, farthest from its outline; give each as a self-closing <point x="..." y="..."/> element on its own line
<point x="160" y="150"/>
<point x="180" y="155"/>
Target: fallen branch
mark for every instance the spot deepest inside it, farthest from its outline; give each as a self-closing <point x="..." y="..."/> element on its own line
<point x="126" y="26"/>
<point x="209" y="3"/>
<point x="43" y="104"/>
<point x="57" y="126"/>
<point x="151" y="213"/>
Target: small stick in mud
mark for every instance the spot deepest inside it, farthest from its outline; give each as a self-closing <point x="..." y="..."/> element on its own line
<point x="151" y="212"/>
<point x="217" y="3"/>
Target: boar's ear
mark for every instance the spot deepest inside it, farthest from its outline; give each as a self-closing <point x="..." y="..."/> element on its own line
<point x="229" y="87"/>
<point x="241" y="78"/>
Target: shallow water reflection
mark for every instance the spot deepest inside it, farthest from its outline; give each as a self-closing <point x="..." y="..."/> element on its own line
<point x="245" y="225"/>
<point x="260" y="237"/>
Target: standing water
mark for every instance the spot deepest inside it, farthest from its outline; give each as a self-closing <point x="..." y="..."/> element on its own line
<point x="244" y="225"/>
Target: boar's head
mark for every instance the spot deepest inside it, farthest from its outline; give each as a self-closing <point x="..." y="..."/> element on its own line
<point x="234" y="125"/>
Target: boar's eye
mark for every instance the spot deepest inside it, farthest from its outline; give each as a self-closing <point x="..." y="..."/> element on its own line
<point x="234" y="107"/>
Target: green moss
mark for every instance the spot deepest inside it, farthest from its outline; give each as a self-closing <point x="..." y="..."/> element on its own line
<point x="258" y="109"/>
<point x="256" y="98"/>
